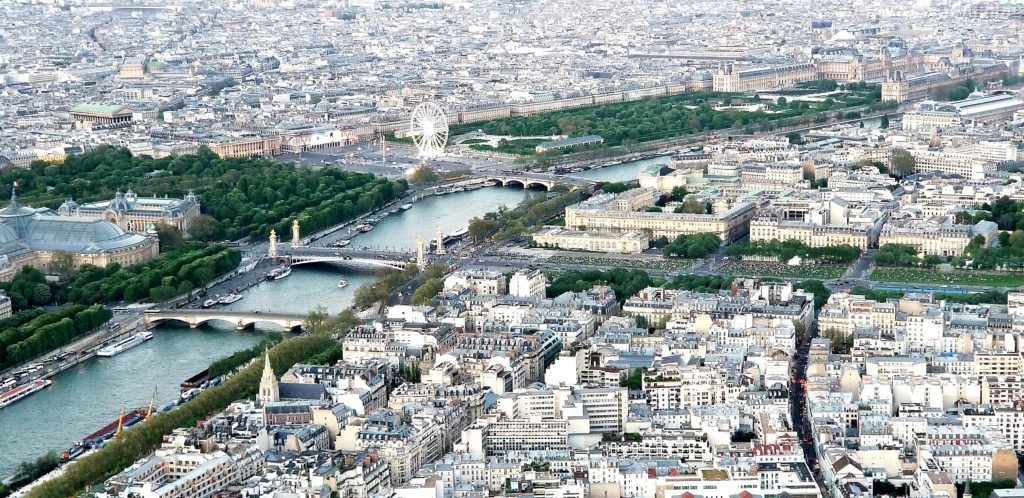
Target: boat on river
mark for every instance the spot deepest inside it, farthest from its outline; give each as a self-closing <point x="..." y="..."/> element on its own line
<point x="21" y="392"/>
<point x="279" y="273"/>
<point x="125" y="344"/>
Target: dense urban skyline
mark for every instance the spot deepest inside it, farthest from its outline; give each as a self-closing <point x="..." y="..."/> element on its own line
<point x="453" y="249"/>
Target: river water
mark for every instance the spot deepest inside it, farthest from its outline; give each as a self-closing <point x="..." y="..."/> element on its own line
<point x="622" y="172"/>
<point x="87" y="397"/>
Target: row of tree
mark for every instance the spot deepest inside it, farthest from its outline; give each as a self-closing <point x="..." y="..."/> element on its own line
<point x="785" y="250"/>
<point x="171" y="274"/>
<point x="903" y="255"/>
<point x="142" y="439"/>
<point x="432" y="282"/>
<point x="618" y="187"/>
<point x="990" y="296"/>
<point x="625" y="282"/>
<point x="693" y="246"/>
<point x="236" y="360"/>
<point x="47" y="331"/>
<point x="1008" y="255"/>
<point x="699" y="283"/>
<point x="239" y="196"/>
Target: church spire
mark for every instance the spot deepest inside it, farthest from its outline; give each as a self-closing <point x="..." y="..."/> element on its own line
<point x="268" y="383"/>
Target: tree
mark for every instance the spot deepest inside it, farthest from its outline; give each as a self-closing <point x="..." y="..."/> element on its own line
<point x="347" y="320"/>
<point x="691" y="205"/>
<point x="204" y="227"/>
<point x="317" y="320"/>
<point x="426" y="292"/>
<point x="41" y="294"/>
<point x="679" y="193"/>
<point x="800" y="328"/>
<point x="884" y="123"/>
<point x="818" y="289"/>
<point x="1017" y="238"/>
<point x="903" y="163"/>
<point x="795" y="137"/>
<point x="170" y="237"/>
<point x="782" y="102"/>
<point x="566" y="125"/>
<point x="617" y="187"/>
<point x="841" y="342"/>
<point x="480" y="228"/>
<point x="62" y="263"/>
<point x="424" y="174"/>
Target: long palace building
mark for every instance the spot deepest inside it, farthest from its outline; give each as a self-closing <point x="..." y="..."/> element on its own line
<point x="137" y="214"/>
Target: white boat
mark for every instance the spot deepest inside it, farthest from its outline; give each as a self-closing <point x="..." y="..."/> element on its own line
<point x="407" y="206"/>
<point x="209" y="303"/>
<point x="279" y="273"/>
<point x="230" y="298"/>
<point x="342" y="283"/>
<point x="365" y="227"/>
<point x="125" y="344"/>
<point x="22" y="391"/>
<point x="343" y="243"/>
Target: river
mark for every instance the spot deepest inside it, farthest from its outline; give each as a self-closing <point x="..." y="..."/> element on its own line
<point x="87" y="397"/>
<point x="622" y="172"/>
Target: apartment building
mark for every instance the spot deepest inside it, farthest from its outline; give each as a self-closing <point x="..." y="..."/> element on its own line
<point x="502" y="436"/>
<point x="186" y="473"/>
<point x="672" y="386"/>
<point x="478" y="281"/>
<point x="530" y="284"/>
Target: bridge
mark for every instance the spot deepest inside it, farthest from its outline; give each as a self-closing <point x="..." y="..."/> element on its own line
<point x="240" y="319"/>
<point x="344" y="256"/>
<point x="531" y="180"/>
<point x="297" y="253"/>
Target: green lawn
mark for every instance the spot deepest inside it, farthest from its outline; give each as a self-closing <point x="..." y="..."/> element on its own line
<point x="598" y="260"/>
<point x="956" y="277"/>
<point x="765" y="269"/>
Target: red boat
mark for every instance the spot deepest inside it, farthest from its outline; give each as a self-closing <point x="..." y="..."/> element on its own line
<point x="108" y="431"/>
<point x="126" y="420"/>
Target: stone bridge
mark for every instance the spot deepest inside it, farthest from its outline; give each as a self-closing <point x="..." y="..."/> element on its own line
<point x="240" y="319"/>
<point x="531" y="180"/>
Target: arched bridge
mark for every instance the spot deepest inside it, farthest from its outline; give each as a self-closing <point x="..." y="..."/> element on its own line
<point x="352" y="257"/>
<point x="240" y="319"/>
<point x="531" y="180"/>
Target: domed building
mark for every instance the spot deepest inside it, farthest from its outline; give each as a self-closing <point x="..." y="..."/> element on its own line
<point x="137" y="214"/>
<point x="33" y="237"/>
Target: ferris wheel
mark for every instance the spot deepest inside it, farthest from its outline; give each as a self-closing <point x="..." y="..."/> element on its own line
<point x="429" y="130"/>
